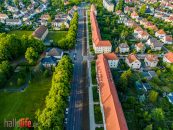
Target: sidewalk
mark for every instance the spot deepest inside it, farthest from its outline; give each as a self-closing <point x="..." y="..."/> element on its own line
<point x="91" y="103"/>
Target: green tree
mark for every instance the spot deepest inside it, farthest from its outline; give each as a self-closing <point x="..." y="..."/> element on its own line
<point x="153" y="95"/>
<point x="149" y="127"/>
<point x="158" y="114"/>
<point x="31" y="55"/>
<point x="143" y="9"/>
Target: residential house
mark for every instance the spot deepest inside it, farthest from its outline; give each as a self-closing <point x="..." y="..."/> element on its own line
<point x="44" y="22"/>
<point x="170" y="97"/>
<point x="3" y="17"/>
<point x="41" y="32"/>
<point x="151" y="60"/>
<point x="67" y="23"/>
<point x="149" y="25"/>
<point x="169" y="19"/>
<point x="48" y="62"/>
<point x="143" y="35"/>
<point x="158" y="15"/>
<point x="140" y="47"/>
<point x="57" y="23"/>
<point x="45" y="17"/>
<point x="137" y="30"/>
<point x="167" y="39"/>
<point x="70" y="16"/>
<point x="154" y="44"/>
<point x="134" y="15"/>
<point x="13" y="22"/>
<point x="112" y="59"/>
<point x="55" y="52"/>
<point x="123" y="48"/>
<point x="168" y="57"/>
<point x="160" y="33"/>
<point x="108" y="5"/>
<point x="132" y="61"/>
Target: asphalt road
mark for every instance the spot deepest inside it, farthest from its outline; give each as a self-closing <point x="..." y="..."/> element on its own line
<point x="75" y="115"/>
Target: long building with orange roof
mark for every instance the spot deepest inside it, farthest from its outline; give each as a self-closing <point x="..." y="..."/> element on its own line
<point x="99" y="45"/>
<point x="113" y="114"/>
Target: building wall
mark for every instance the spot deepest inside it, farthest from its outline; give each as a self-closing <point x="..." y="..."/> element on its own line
<point x="123" y="50"/>
<point x="150" y="64"/>
<point x="113" y="63"/>
<point x="44" y="35"/>
<point x="134" y="65"/>
<point x="109" y="7"/>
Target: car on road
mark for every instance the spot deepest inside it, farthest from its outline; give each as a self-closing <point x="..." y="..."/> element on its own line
<point x="65" y="121"/>
<point x="66" y="111"/>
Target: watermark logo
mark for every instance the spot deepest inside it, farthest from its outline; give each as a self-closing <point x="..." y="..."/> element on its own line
<point x="22" y="123"/>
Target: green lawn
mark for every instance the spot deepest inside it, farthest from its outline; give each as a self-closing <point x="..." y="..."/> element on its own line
<point x="56" y="35"/>
<point x="93" y="72"/>
<point x="18" y="78"/>
<point x="95" y="94"/>
<point x="25" y="104"/>
<point x="101" y="128"/>
<point x="19" y="33"/>
<point x="98" y="114"/>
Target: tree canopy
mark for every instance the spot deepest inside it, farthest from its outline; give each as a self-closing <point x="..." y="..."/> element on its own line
<point x="52" y="116"/>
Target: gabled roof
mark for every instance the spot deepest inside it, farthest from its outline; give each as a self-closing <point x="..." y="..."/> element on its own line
<point x="140" y="45"/>
<point x="113" y="113"/>
<point x="110" y="56"/>
<point x="132" y="58"/>
<point x="169" y="56"/>
<point x="152" y="58"/>
<point x="39" y="31"/>
<point x="161" y="31"/>
<point x="124" y="45"/>
<point x="168" y="38"/>
<point x="54" y="52"/>
<point x="49" y="60"/>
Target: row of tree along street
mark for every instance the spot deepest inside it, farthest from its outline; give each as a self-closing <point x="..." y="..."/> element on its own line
<point x="70" y="39"/>
<point x="52" y="116"/>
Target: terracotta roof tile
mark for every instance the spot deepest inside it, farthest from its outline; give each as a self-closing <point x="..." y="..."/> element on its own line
<point x="131" y="58"/>
<point x="152" y="57"/>
<point x="110" y="56"/>
<point x="114" y="116"/>
<point x="169" y="56"/>
<point x="161" y="31"/>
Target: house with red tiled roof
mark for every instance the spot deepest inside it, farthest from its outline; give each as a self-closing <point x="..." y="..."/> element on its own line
<point x="151" y="60"/>
<point x="140" y="47"/>
<point x="167" y="39"/>
<point x="132" y="61"/>
<point x="134" y="15"/>
<point x="99" y="45"/>
<point x="150" y="25"/>
<point x="160" y="33"/>
<point x="137" y="30"/>
<point x="112" y="59"/>
<point x="168" y="57"/>
<point x="142" y="35"/>
<point x="3" y="17"/>
<point x="118" y="12"/>
<point x="169" y="19"/>
<point x="113" y="115"/>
